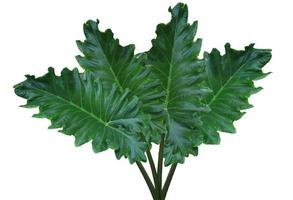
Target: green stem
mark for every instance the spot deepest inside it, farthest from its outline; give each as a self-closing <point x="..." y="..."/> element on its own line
<point x="160" y="166"/>
<point x="168" y="181"/>
<point x="147" y="180"/>
<point x="154" y="171"/>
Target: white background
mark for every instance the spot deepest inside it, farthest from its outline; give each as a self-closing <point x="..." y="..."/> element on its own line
<point x="41" y="164"/>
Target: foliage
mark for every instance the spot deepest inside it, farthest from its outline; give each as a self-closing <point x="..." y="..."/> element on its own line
<point x="167" y="95"/>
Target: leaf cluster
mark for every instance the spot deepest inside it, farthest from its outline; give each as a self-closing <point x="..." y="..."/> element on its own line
<point x="127" y="101"/>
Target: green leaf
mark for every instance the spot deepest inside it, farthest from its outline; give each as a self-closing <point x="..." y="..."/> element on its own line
<point x="173" y="57"/>
<point x="113" y="63"/>
<point x="231" y="78"/>
<point x="82" y="107"/>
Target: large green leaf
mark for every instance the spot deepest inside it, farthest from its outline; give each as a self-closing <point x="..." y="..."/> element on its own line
<point x="173" y="57"/>
<point x="82" y="107"/>
<point x="231" y="79"/>
<point x="113" y="63"/>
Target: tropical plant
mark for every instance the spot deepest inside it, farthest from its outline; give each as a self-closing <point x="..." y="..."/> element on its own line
<point x="167" y="95"/>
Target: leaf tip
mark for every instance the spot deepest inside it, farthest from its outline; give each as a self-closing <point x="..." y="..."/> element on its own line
<point x="179" y="10"/>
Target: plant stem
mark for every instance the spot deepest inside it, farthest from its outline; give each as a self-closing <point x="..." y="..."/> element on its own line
<point x="154" y="171"/>
<point x="168" y="181"/>
<point x="160" y="167"/>
<point x="147" y="180"/>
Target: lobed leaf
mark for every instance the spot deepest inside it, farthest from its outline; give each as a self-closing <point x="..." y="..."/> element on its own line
<point x="125" y="101"/>
<point x="174" y="60"/>
<point x="113" y="63"/>
<point x="82" y="107"/>
<point x="231" y="79"/>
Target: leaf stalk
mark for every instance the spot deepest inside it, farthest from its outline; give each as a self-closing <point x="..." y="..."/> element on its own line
<point x="160" y="166"/>
<point x="147" y="180"/>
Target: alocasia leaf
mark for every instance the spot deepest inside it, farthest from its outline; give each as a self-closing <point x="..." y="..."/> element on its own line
<point x="113" y="63"/>
<point x="173" y="57"/>
<point x="82" y="107"/>
<point x="230" y="77"/>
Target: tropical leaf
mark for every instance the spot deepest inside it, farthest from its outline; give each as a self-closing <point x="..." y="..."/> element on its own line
<point x="113" y="63"/>
<point x="82" y="107"/>
<point x="231" y="79"/>
<point x="168" y="95"/>
<point x="174" y="61"/>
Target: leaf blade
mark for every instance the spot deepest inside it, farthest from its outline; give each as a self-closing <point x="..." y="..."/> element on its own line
<point x="231" y="78"/>
<point x="81" y="107"/>
<point x="111" y="62"/>
<point x="174" y="57"/>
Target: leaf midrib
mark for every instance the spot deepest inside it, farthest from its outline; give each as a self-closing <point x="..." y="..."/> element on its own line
<point x="170" y="74"/>
<point x="226" y="83"/>
<point x="106" y="124"/>
<point x="110" y="67"/>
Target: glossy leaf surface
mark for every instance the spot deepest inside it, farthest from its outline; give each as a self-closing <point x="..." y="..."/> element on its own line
<point x="230" y="77"/>
<point x="82" y="107"/>
<point x="173" y="57"/>
<point x="125" y="101"/>
<point x="113" y="63"/>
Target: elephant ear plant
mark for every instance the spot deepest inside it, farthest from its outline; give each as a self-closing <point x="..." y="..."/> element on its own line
<point x="167" y="95"/>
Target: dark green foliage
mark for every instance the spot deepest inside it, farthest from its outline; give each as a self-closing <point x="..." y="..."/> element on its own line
<point x="112" y="63"/>
<point x="81" y="106"/>
<point x="231" y="79"/>
<point x="174" y="60"/>
<point x="167" y="95"/>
